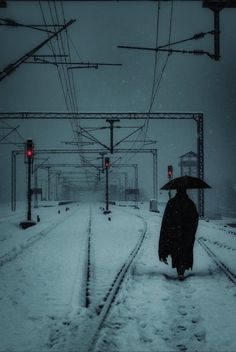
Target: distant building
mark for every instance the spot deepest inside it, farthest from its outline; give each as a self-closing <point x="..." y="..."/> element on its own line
<point x="188" y="164"/>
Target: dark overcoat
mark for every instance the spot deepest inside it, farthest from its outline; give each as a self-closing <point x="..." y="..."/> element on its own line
<point x="178" y="228"/>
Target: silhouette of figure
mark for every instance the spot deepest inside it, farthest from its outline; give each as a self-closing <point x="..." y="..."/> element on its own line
<point x="177" y="235"/>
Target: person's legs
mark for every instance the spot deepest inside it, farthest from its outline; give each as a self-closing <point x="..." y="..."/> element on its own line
<point x="180" y="271"/>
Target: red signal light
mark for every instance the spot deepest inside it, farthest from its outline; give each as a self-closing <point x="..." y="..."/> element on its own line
<point x="107" y="162"/>
<point x="29" y="153"/>
<point x="29" y="149"/>
<point x="170" y="170"/>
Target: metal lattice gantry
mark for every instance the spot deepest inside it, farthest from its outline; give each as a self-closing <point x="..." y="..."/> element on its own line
<point x="35" y="115"/>
<point x="55" y="166"/>
<point x="196" y="116"/>
<point x="76" y="151"/>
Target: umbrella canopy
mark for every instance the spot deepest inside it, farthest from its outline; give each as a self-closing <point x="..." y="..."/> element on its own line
<point x="185" y="182"/>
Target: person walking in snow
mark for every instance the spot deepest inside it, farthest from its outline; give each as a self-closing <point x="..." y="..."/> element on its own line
<point x="177" y="235"/>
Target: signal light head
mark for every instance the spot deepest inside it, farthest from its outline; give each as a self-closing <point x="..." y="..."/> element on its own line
<point x="107" y="162"/>
<point x="29" y="149"/>
<point x="29" y="153"/>
<point x="170" y="170"/>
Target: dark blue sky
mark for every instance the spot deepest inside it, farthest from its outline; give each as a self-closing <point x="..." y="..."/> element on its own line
<point x="189" y="83"/>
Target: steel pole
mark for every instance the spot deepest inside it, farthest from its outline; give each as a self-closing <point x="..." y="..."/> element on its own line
<point x="35" y="186"/>
<point x="154" y="153"/>
<point x="13" y="181"/>
<point x="107" y="191"/>
<point x="136" y="180"/>
<point x="29" y="191"/>
<point x="200" y="162"/>
<point x="49" y="190"/>
<point x="217" y="33"/>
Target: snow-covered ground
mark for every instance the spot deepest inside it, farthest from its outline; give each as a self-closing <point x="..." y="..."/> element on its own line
<point x="42" y="272"/>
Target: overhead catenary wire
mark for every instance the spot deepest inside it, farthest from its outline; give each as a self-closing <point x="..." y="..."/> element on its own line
<point x="68" y="87"/>
<point x="13" y="23"/>
<point x="72" y="102"/>
<point x="61" y="71"/>
<point x="77" y="127"/>
<point x="156" y="78"/>
<point x="55" y="58"/>
<point x="70" y="77"/>
<point x="61" y="74"/>
<point x="76" y="124"/>
<point x="66" y="77"/>
<point x="155" y="70"/>
<point x="60" y="47"/>
<point x="156" y="54"/>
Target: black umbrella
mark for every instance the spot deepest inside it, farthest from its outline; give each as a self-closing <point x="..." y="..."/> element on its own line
<point x="185" y="182"/>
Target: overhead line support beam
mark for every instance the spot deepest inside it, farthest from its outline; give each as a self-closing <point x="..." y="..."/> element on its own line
<point x="25" y="115"/>
<point x="196" y="116"/>
<point x="12" y="67"/>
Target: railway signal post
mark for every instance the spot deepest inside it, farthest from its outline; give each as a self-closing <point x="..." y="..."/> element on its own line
<point x="107" y="165"/>
<point x="29" y="158"/>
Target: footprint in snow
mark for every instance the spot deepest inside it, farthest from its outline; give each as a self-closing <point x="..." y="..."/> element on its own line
<point x="195" y="320"/>
<point x="200" y="335"/>
<point x="181" y="347"/>
<point x="165" y="299"/>
<point x="182" y="310"/>
<point x="181" y="328"/>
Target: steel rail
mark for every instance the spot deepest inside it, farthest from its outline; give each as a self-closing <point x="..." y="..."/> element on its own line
<point x="228" y="273"/>
<point x="88" y="332"/>
<point x="88" y="299"/>
<point x="13" y="253"/>
<point x="102" y="310"/>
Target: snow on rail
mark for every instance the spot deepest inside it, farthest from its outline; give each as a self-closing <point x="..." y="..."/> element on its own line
<point x="230" y="275"/>
<point x="18" y="250"/>
<point x="95" y="316"/>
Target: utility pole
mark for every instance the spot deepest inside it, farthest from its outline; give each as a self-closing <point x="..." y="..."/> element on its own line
<point x="29" y="155"/>
<point x="49" y="183"/>
<point x="216" y="6"/>
<point x="58" y="175"/>
<point x="107" y="165"/>
<point x="35" y="187"/>
<point x="102" y="157"/>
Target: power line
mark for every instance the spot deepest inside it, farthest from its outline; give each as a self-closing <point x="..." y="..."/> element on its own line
<point x="76" y="123"/>
<point x="156" y="81"/>
<point x="55" y="57"/>
<point x="156" y="54"/>
<point x="69" y="77"/>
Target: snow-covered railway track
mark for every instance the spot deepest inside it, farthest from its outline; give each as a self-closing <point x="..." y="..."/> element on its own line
<point x="228" y="273"/>
<point x="13" y="253"/>
<point x="102" y="310"/>
<point x="95" y="314"/>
